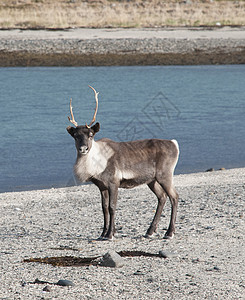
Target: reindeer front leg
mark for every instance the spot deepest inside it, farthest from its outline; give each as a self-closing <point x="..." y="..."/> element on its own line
<point x="105" y="209"/>
<point x="113" y="192"/>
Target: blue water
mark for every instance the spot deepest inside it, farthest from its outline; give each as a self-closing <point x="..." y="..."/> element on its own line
<point x="203" y="107"/>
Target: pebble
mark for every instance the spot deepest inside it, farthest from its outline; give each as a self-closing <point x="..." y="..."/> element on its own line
<point x="195" y="260"/>
<point x="167" y="254"/>
<point x="46" y="289"/>
<point x="65" y="282"/>
<point x="112" y="259"/>
<point x="23" y="283"/>
<point x="150" y="279"/>
<point x="215" y="268"/>
<point x="138" y="272"/>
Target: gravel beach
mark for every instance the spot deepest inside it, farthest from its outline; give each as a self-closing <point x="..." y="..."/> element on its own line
<point x="205" y="260"/>
<point x="107" y="47"/>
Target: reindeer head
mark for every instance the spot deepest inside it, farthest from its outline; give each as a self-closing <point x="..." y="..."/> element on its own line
<point x="84" y="135"/>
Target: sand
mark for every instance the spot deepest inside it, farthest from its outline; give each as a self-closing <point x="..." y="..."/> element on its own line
<point x="109" y="47"/>
<point x="207" y="261"/>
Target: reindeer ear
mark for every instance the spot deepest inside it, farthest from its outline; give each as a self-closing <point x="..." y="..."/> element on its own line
<point x="71" y="130"/>
<point x="96" y="127"/>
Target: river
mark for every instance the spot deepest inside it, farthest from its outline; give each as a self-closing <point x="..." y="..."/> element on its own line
<point x="203" y="107"/>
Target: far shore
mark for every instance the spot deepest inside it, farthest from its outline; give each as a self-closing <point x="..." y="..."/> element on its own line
<point x="124" y="47"/>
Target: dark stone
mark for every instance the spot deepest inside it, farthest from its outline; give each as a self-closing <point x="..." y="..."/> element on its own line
<point x="46" y="289"/>
<point x="64" y="282"/>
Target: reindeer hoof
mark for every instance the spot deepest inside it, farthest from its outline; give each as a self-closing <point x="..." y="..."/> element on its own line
<point x="168" y="236"/>
<point x="110" y="239"/>
<point x="148" y="236"/>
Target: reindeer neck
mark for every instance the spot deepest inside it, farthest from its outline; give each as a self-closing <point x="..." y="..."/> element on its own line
<point x="95" y="162"/>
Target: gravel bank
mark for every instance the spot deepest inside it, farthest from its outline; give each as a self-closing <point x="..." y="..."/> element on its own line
<point x="105" y="47"/>
<point x="207" y="260"/>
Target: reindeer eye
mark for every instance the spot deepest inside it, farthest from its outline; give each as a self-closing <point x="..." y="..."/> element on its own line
<point x="90" y="134"/>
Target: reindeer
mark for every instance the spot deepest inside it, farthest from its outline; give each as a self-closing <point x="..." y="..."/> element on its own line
<point x="111" y="165"/>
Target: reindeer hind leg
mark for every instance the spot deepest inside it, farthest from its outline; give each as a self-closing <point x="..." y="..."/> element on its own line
<point x="162" y="197"/>
<point x="170" y="190"/>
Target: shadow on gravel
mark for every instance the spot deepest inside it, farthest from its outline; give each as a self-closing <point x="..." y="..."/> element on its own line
<point x="72" y="261"/>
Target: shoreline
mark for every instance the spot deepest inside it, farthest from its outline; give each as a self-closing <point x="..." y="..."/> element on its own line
<point x="205" y="257"/>
<point x="200" y="178"/>
<point x="123" y="47"/>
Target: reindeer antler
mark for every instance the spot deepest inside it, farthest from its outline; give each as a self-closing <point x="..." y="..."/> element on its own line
<point x="72" y="120"/>
<point x="96" y="108"/>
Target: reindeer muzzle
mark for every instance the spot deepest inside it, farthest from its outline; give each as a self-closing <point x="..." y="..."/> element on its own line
<point x="83" y="150"/>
